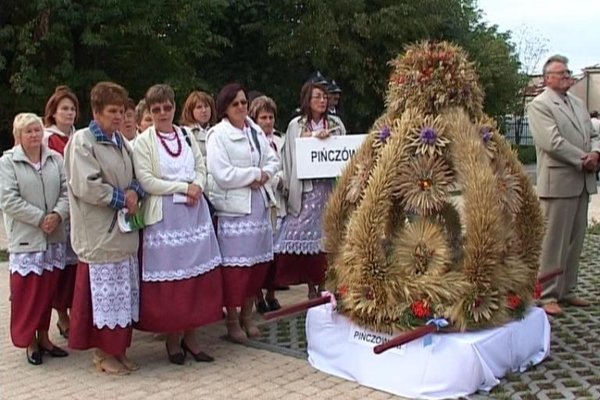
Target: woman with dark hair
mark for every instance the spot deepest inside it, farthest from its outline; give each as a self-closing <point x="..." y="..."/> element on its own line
<point x="199" y="114"/>
<point x="129" y="129"/>
<point x="33" y="198"/>
<point x="298" y="244"/>
<point x="102" y="185"/>
<point x="62" y="110"/>
<point x="180" y="252"/>
<point x="240" y="164"/>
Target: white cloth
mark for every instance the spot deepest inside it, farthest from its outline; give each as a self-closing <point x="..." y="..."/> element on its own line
<point x="115" y="293"/>
<point x="176" y="169"/>
<point x="37" y="262"/>
<point x="454" y="365"/>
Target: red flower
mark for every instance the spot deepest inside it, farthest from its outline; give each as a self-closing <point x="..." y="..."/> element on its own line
<point x="537" y="292"/>
<point x="513" y="301"/>
<point x="343" y="291"/>
<point x="421" y="309"/>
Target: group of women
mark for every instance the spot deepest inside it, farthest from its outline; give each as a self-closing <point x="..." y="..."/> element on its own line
<point x="220" y="210"/>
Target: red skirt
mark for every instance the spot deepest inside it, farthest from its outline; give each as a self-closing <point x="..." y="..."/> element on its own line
<point x="31" y="304"/>
<point x="294" y="269"/>
<point x="63" y="298"/>
<point x="175" y="306"/>
<point x="240" y="283"/>
<point x="83" y="334"/>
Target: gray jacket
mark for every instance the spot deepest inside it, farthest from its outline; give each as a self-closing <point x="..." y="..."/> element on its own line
<point x="27" y="196"/>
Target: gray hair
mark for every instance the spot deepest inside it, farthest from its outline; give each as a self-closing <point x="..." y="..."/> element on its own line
<point x="22" y="120"/>
<point x="555" y="58"/>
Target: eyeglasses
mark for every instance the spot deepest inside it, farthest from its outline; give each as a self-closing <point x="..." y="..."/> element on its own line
<point x="157" y="109"/>
<point x="320" y="97"/>
<point x="237" y="103"/>
<point x="564" y="72"/>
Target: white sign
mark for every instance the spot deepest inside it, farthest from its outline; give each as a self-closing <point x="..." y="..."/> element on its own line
<point x="325" y="158"/>
<point x="369" y="338"/>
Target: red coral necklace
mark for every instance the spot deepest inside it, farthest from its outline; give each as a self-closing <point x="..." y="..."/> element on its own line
<point x="163" y="141"/>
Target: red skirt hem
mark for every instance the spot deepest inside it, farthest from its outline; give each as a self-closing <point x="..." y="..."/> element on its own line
<point x="31" y="305"/>
<point x="295" y="269"/>
<point x="83" y="334"/>
<point x="181" y="305"/>
<point x="240" y="283"/>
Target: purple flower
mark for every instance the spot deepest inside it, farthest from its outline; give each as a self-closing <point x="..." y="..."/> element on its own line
<point x="428" y="135"/>
<point x="486" y="133"/>
<point x="384" y="134"/>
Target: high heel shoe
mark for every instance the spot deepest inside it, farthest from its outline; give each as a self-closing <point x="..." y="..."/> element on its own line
<point x="55" y="351"/>
<point x="235" y="332"/>
<point x="177" y="358"/>
<point x="63" y="332"/>
<point x="35" y="358"/>
<point x="248" y="326"/>
<point x="199" y="356"/>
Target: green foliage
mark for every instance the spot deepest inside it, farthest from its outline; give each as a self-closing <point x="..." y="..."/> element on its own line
<point x="526" y="154"/>
<point x="270" y="46"/>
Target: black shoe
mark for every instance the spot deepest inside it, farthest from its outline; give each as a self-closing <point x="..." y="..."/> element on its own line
<point x="34" y="358"/>
<point x="177" y="358"/>
<point x="55" y="351"/>
<point x="273" y="304"/>
<point x="262" y="307"/>
<point x="199" y="356"/>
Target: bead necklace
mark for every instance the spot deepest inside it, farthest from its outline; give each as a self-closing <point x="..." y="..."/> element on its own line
<point x="163" y="141"/>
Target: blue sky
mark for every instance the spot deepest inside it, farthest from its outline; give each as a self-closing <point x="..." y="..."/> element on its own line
<point x="571" y="27"/>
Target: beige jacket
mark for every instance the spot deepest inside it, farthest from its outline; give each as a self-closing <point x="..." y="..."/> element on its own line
<point x="93" y="169"/>
<point x="562" y="136"/>
<point x="147" y="170"/>
<point x="27" y="196"/>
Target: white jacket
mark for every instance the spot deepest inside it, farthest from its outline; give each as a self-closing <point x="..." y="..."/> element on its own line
<point x="230" y="170"/>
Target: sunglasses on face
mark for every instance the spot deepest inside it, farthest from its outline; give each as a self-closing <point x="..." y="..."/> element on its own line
<point x="237" y="103"/>
<point x="157" y="109"/>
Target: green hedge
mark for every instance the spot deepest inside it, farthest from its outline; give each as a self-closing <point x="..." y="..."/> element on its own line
<point x="526" y="154"/>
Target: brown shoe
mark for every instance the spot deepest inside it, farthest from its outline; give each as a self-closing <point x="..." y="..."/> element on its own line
<point x="553" y="308"/>
<point x="577" y="302"/>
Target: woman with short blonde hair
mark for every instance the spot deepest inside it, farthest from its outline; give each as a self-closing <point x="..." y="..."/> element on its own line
<point x="33" y="198"/>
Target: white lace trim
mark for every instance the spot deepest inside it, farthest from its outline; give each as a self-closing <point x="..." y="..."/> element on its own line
<point x="234" y="229"/>
<point x="37" y="262"/>
<point x="300" y="247"/>
<point x="115" y="293"/>
<point x="247" y="261"/>
<point x="174" y="238"/>
<point x="179" y="274"/>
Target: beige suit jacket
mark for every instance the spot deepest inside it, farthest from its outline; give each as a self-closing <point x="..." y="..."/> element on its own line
<point x="562" y="135"/>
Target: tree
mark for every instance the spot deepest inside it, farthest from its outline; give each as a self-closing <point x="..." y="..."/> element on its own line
<point x="530" y="48"/>
<point x="270" y="46"/>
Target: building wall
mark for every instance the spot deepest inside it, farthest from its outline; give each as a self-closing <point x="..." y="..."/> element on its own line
<point x="588" y="89"/>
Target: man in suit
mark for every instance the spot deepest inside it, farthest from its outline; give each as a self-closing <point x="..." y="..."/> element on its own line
<point x="568" y="151"/>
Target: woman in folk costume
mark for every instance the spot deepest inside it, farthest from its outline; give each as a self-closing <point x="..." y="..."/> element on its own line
<point x="181" y="280"/>
<point x="263" y="111"/>
<point x="101" y="184"/>
<point x="33" y="198"/>
<point x="240" y="163"/>
<point x="62" y="110"/>
<point x="199" y="115"/>
<point x="298" y="244"/>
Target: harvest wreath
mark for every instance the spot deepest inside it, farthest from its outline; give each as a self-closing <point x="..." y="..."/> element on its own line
<point x="401" y="255"/>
